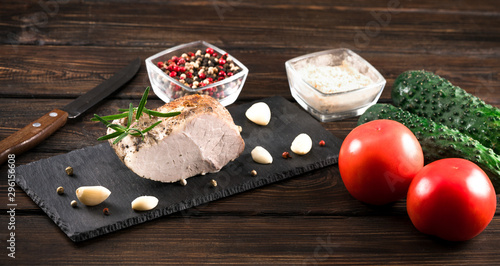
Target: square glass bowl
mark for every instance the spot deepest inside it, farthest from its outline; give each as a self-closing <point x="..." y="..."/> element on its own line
<point x="337" y="105"/>
<point x="168" y="89"/>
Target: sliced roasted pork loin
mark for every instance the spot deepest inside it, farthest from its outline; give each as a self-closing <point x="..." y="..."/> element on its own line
<point x="201" y="139"/>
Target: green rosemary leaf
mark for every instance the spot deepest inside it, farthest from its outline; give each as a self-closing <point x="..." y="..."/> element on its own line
<point x="147" y="111"/>
<point x="117" y="127"/>
<point x="137" y="132"/>
<point x="98" y="118"/>
<point x="151" y="127"/>
<point x="142" y="103"/>
<point x="130" y="114"/>
<point x="160" y="114"/>
<point x="123" y="135"/>
<point x="110" y="136"/>
<point x="111" y="117"/>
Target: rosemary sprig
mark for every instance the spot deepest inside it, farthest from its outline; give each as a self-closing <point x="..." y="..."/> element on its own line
<point x="145" y="110"/>
<point x="122" y="131"/>
<point x="130" y="114"/>
<point x="142" y="103"/>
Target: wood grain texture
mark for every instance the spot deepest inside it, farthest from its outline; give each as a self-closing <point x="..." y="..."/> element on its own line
<point x="298" y="240"/>
<point x="264" y="26"/>
<point x="51" y="54"/>
<point x="49" y="76"/>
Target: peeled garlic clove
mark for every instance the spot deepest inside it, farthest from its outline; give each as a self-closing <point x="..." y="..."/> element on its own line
<point x="144" y="203"/>
<point x="92" y="195"/>
<point x="261" y="155"/>
<point x="302" y="144"/>
<point x="259" y="113"/>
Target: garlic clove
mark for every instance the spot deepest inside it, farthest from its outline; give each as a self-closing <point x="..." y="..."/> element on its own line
<point x="302" y="144"/>
<point x="261" y="155"/>
<point x="144" y="203"/>
<point x="259" y="113"/>
<point x="92" y="195"/>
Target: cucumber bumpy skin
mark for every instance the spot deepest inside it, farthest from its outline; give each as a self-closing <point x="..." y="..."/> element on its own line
<point x="431" y="96"/>
<point x="438" y="141"/>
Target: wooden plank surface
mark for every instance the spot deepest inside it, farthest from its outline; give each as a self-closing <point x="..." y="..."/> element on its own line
<point x="47" y="77"/>
<point x="253" y="239"/>
<point x="53" y="51"/>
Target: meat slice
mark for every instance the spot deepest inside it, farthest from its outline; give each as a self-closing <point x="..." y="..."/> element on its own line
<point x="202" y="139"/>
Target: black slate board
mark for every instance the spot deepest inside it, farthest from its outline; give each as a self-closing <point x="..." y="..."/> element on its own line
<point x="98" y="165"/>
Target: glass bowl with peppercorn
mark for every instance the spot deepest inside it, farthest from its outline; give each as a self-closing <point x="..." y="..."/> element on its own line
<point x="196" y="68"/>
<point x="334" y="84"/>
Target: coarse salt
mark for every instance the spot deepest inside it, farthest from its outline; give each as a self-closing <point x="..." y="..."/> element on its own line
<point x="332" y="79"/>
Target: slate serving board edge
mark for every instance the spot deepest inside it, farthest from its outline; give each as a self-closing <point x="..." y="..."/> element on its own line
<point x="195" y="200"/>
<point x="157" y="213"/>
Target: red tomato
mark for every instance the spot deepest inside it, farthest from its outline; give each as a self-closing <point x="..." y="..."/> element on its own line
<point x="452" y="199"/>
<point x="378" y="160"/>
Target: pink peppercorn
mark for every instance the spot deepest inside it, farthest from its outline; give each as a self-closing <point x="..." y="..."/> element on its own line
<point x="215" y="54"/>
<point x="209" y="50"/>
<point x="182" y="69"/>
<point x="230" y="74"/>
<point x="173" y="74"/>
<point x="202" y="75"/>
<point x="222" y="73"/>
<point x="181" y="61"/>
<point x="160" y="64"/>
<point x="222" y="61"/>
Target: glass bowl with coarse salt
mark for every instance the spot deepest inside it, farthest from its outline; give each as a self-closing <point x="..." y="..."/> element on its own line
<point x="334" y="84"/>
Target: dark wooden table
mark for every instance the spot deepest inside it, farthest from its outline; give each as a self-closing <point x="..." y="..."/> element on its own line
<point x="53" y="51"/>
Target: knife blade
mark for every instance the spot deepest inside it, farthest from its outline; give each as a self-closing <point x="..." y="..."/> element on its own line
<point x="40" y="129"/>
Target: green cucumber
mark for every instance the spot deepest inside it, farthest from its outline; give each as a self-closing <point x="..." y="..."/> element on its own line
<point x="431" y="96"/>
<point x="439" y="141"/>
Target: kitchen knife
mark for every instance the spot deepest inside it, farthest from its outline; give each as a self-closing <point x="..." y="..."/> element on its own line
<point x="32" y="134"/>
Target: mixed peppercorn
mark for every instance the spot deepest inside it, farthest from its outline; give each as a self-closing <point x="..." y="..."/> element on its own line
<point x="200" y="69"/>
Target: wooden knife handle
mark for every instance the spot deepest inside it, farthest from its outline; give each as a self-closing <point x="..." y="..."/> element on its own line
<point x="32" y="134"/>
